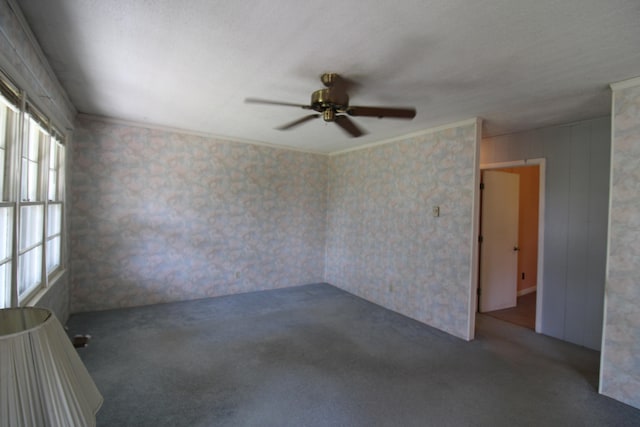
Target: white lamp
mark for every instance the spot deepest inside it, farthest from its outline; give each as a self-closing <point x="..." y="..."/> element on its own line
<point x="43" y="382"/>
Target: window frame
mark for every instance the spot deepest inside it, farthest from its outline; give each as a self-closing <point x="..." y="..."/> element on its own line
<point x="19" y="137"/>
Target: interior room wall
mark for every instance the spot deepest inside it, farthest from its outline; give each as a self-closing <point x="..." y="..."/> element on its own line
<point x="620" y="370"/>
<point x="383" y="242"/>
<point x="164" y="216"/>
<point x="24" y="63"/>
<point x="576" y="205"/>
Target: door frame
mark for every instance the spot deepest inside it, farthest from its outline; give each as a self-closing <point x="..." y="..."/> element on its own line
<point x="541" y="163"/>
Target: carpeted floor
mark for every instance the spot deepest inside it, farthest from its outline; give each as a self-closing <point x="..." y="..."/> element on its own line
<point x="317" y="356"/>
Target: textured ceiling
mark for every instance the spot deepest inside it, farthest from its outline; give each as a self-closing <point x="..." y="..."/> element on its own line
<point x="518" y="64"/>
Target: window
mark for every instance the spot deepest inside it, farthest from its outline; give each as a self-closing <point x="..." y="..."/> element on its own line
<point x="55" y="204"/>
<point x="32" y="203"/>
<point x="8" y="126"/>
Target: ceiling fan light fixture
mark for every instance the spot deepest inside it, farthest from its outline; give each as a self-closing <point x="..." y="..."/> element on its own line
<point x="328" y="115"/>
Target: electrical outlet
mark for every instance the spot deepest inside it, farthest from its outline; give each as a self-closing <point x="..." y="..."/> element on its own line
<point x="436" y="211"/>
<point x="390" y="288"/>
<point x="237" y="274"/>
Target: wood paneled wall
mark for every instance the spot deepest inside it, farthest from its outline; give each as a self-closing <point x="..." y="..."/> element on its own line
<point x="576" y="207"/>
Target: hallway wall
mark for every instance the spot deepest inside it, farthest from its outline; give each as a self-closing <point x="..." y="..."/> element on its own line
<point x="576" y="206"/>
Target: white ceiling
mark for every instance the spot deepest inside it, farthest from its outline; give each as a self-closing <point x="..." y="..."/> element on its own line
<point x="518" y="64"/>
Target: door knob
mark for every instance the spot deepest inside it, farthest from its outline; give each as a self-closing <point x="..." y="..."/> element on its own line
<point x="515" y="248"/>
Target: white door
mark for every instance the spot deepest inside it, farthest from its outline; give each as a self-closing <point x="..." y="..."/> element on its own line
<point x="499" y="256"/>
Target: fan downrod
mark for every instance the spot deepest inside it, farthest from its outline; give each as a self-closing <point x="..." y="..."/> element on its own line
<point x="330" y="100"/>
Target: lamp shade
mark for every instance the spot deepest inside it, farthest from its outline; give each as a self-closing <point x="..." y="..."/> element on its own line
<point x="43" y="382"/>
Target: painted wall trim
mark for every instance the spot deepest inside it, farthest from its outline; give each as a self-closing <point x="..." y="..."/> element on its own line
<point x="625" y="84"/>
<point x="475" y="231"/>
<point x="541" y="162"/>
<point x="182" y="131"/>
<point x="527" y="291"/>
<point x="603" y="348"/>
<point x="559" y="125"/>
<point x="410" y="135"/>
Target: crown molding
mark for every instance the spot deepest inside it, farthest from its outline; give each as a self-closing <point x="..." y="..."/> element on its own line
<point x="475" y="121"/>
<point x="151" y="126"/>
<point x="625" y="84"/>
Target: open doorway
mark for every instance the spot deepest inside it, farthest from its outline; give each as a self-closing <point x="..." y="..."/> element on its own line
<point x="511" y="244"/>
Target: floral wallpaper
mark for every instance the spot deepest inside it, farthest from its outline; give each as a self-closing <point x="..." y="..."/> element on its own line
<point x="621" y="354"/>
<point x="160" y="216"/>
<point x="383" y="242"/>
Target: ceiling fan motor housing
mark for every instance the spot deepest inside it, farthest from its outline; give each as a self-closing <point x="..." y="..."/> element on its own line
<point x="328" y="102"/>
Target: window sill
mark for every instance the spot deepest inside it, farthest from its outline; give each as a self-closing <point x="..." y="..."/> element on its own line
<point x="37" y="296"/>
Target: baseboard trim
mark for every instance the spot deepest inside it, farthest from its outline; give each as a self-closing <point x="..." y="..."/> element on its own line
<point x="526" y="291"/>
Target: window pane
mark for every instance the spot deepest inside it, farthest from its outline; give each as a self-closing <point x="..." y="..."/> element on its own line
<point x="54" y="224"/>
<point x="31" y="225"/>
<point x="6" y="231"/>
<point x="29" y="271"/>
<point x="31" y="162"/>
<point x="33" y="142"/>
<point x="33" y="181"/>
<point x="29" y="180"/>
<point x="5" y="284"/>
<point x="53" y="254"/>
<point x="53" y="185"/>
<point x="4" y="114"/>
<point x="53" y="170"/>
<point x="2" y="169"/>
<point x="53" y="155"/>
<point x="24" y="195"/>
<point x="8" y="118"/>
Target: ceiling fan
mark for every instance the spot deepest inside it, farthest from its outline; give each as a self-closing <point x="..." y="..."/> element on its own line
<point x="332" y="104"/>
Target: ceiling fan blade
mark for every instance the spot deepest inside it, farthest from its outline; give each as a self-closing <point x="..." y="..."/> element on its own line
<point x="270" y="102"/>
<point x="380" y="112"/>
<point x="349" y="126"/>
<point x="298" y="122"/>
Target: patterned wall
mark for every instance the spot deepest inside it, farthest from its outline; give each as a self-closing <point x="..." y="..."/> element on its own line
<point x="160" y="216"/>
<point x="383" y="243"/>
<point x="621" y="353"/>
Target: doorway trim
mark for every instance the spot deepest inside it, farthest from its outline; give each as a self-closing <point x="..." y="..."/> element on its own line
<point x="541" y="162"/>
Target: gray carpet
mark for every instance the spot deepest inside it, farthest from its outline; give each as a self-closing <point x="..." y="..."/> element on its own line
<point x="317" y="356"/>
